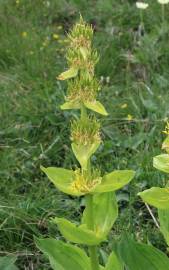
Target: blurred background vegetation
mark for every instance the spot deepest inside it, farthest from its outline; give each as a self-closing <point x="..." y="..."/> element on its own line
<point x="134" y="70"/>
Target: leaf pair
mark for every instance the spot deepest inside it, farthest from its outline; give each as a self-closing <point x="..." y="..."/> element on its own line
<point x="65" y="181"/>
<point x="128" y="253"/>
<point x="103" y="221"/>
<point x="95" y="106"/>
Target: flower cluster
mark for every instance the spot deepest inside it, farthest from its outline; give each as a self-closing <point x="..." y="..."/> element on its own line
<point x="84" y="182"/>
<point x="80" y="91"/>
<point x="86" y="131"/>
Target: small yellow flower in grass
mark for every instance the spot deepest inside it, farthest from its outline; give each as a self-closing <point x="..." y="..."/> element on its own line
<point x="142" y="5"/>
<point x="163" y="2"/>
<point x="24" y="34"/>
<point x="59" y="27"/>
<point x="129" y="117"/>
<point x="17" y="2"/>
<point x="166" y="131"/>
<point x="124" y="106"/>
<point x="55" y="36"/>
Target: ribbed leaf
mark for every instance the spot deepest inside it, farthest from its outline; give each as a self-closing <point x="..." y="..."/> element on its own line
<point x="138" y="256"/>
<point x="77" y="234"/>
<point x="115" y="180"/>
<point x="114" y="263"/>
<point x="63" y="256"/>
<point x="105" y="211"/>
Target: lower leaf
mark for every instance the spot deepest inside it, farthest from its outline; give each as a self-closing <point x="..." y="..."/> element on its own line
<point x="63" y="256"/>
<point x="105" y="210"/>
<point x="138" y="256"/>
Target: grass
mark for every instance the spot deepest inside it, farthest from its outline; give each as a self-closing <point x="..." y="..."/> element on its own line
<point x="134" y="71"/>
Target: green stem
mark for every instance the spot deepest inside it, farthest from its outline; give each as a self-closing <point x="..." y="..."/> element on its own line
<point x="83" y="112"/>
<point x="90" y="224"/>
<point x="163" y="13"/>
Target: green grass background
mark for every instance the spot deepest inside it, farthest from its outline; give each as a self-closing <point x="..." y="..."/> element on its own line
<point x="134" y="69"/>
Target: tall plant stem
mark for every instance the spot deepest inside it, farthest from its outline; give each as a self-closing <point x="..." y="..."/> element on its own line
<point x="90" y="224"/>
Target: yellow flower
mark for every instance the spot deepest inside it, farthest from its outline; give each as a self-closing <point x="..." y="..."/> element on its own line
<point x="129" y="117"/>
<point x="24" y="34"/>
<point x="17" y="2"/>
<point x="166" y="131"/>
<point x="55" y="36"/>
<point x="163" y="2"/>
<point x="124" y="106"/>
<point x="59" y="27"/>
<point x="142" y="5"/>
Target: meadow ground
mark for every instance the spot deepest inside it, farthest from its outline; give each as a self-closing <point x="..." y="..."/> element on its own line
<point x="134" y="69"/>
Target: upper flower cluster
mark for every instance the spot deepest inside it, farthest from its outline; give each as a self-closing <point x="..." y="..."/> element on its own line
<point x="81" y="58"/>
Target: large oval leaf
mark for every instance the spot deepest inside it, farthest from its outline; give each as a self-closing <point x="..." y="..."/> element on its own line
<point x="161" y="162"/>
<point x="103" y="220"/>
<point x="62" y="179"/>
<point x="96" y="106"/>
<point x="115" y="180"/>
<point x="164" y="223"/>
<point x="158" y="197"/>
<point x="77" y="234"/>
<point x="84" y="152"/>
<point x="63" y="256"/>
<point x="138" y="256"/>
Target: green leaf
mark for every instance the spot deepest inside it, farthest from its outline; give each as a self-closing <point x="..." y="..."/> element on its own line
<point x="138" y="256"/>
<point x="164" y="223"/>
<point x="70" y="73"/>
<point x="70" y="106"/>
<point x="158" y="197"/>
<point x="114" y="263"/>
<point x="62" y="179"/>
<point x="77" y="234"/>
<point x="161" y="162"/>
<point x="96" y="106"/>
<point x="103" y="220"/>
<point x="7" y="263"/>
<point x="115" y="180"/>
<point x="63" y="256"/>
<point x="84" y="152"/>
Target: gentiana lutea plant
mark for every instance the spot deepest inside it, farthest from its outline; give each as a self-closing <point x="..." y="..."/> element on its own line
<point x="101" y="209"/>
<point x="157" y="196"/>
